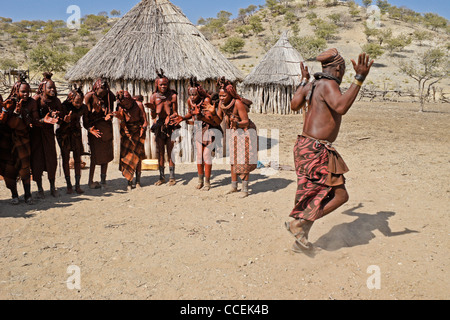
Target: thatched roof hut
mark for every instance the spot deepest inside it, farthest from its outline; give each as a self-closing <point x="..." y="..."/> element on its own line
<point x="155" y="34"/>
<point x="273" y="82"/>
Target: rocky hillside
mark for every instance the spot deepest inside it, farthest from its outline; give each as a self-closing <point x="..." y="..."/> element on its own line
<point x="395" y="37"/>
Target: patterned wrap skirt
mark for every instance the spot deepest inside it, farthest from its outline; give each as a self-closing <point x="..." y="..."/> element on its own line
<point x="319" y="168"/>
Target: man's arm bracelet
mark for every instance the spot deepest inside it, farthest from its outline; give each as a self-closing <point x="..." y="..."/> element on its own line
<point x="304" y="82"/>
<point x="360" y="78"/>
<point x="358" y="83"/>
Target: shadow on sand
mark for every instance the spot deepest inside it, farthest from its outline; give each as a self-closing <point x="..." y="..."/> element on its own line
<point x="360" y="231"/>
<point x="259" y="183"/>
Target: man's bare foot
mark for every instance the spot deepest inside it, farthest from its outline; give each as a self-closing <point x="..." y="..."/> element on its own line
<point x="138" y="185"/>
<point x="14" y="201"/>
<point x="160" y="182"/>
<point x="207" y="187"/>
<point x="69" y="190"/>
<point x="54" y="193"/>
<point x="300" y="230"/>
<point x="172" y="182"/>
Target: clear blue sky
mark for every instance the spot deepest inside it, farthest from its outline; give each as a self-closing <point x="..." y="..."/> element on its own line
<point x="193" y="9"/>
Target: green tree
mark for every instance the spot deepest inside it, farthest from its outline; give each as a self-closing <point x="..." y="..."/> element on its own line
<point x="290" y="18"/>
<point x="5" y="20"/>
<point x="383" y="5"/>
<point x="115" y="13"/>
<point x="431" y="67"/>
<point x="295" y="29"/>
<point x="242" y="15"/>
<point x="374" y="50"/>
<point x="434" y="21"/>
<point x="311" y="16"/>
<point x="251" y="9"/>
<point x="330" y="3"/>
<point x="354" y="11"/>
<point x="78" y="53"/>
<point x="74" y="39"/>
<point x="233" y="45"/>
<point x="275" y="7"/>
<point x="256" y="24"/>
<point x="366" y="3"/>
<point x="23" y="46"/>
<point x="309" y="47"/>
<point x="398" y="43"/>
<point x="324" y="29"/>
<point x="83" y="32"/>
<point x="201" y="21"/>
<point x="383" y="35"/>
<point x="370" y="32"/>
<point x="335" y="18"/>
<point x="215" y="26"/>
<point x="92" y="21"/>
<point x="421" y="36"/>
<point x="224" y="16"/>
<point x="52" y="39"/>
<point x="6" y="64"/>
<point x="44" y="59"/>
<point x="244" y="30"/>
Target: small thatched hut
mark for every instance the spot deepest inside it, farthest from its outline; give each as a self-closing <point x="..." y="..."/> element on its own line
<point x="155" y="34"/>
<point x="273" y="82"/>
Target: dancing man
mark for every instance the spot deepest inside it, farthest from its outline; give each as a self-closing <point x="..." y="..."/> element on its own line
<point x="320" y="169"/>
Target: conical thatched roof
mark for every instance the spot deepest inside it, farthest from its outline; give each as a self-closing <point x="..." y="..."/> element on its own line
<point x="154" y="34"/>
<point x="280" y="66"/>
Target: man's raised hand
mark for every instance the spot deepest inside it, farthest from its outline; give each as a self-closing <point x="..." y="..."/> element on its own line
<point x="305" y="72"/>
<point x="364" y="64"/>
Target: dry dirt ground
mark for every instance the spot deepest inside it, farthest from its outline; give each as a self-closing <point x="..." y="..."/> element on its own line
<point x="180" y="243"/>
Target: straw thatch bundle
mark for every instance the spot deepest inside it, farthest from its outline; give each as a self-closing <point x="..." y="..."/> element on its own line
<point x="155" y="34"/>
<point x="273" y="82"/>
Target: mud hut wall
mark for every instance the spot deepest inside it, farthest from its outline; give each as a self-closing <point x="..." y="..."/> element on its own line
<point x="271" y="99"/>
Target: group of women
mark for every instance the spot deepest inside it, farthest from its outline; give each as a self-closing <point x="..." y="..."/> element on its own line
<point x="30" y="126"/>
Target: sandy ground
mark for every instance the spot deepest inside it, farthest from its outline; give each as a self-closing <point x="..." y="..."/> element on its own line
<point x="180" y="243"/>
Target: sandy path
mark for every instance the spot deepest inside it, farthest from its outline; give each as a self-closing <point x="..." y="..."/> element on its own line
<point x="180" y="243"/>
